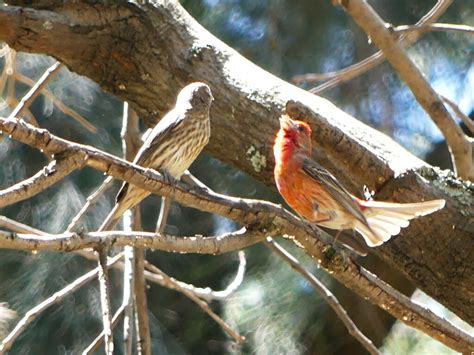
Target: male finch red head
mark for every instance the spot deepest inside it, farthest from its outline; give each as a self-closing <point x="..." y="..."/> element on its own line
<point x="317" y="196"/>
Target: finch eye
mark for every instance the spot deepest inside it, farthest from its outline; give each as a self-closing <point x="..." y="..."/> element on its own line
<point x="300" y="129"/>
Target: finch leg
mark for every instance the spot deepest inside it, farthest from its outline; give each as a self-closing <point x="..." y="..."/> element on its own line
<point x="338" y="234"/>
<point x="167" y="178"/>
<point x="194" y="182"/>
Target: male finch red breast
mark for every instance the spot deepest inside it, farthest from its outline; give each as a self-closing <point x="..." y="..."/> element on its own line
<point x="318" y="197"/>
<point x="172" y="146"/>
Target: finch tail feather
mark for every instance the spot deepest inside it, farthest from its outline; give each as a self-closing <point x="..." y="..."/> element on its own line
<point x="385" y="219"/>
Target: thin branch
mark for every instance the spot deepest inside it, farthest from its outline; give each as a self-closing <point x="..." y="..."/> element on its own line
<point x="366" y="17"/>
<point x="70" y="241"/>
<point x="355" y="70"/>
<point x="131" y="144"/>
<point x="465" y="118"/>
<point x="58" y="103"/>
<point x="128" y="299"/>
<point x="103" y="276"/>
<point x="90" y="202"/>
<point x="49" y="175"/>
<point x="141" y="305"/>
<point x="31" y="95"/>
<point x="266" y="218"/>
<point x="206" y="294"/>
<point x="202" y="304"/>
<point x="435" y="27"/>
<point x="325" y="293"/>
<point x="97" y="342"/>
<point x="57" y="297"/>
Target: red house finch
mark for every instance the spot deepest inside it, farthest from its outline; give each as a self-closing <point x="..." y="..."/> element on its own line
<point x="172" y="146"/>
<point x="318" y="197"/>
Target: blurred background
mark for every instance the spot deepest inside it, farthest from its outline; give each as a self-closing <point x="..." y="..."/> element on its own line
<point x="274" y="308"/>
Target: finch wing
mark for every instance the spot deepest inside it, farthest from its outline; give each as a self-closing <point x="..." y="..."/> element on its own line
<point x="155" y="139"/>
<point x="333" y="187"/>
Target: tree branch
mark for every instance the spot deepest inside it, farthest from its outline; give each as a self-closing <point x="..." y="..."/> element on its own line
<point x="57" y="297"/>
<point x="435" y="27"/>
<point x="35" y="90"/>
<point x="325" y="293"/>
<point x="460" y="149"/>
<point x="100" y="338"/>
<point x="337" y="77"/>
<point x="55" y="171"/>
<point x="202" y="304"/>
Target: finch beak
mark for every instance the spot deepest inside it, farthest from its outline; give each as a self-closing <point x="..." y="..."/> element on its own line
<point x="287" y="123"/>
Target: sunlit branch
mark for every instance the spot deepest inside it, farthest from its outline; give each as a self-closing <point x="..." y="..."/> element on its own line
<point x="337" y="77"/>
<point x="206" y="294"/>
<point x="202" y="304"/>
<point x="31" y="95"/>
<point x="55" y="171"/>
<point x="97" y="342"/>
<point x="131" y="143"/>
<point x="90" y="202"/>
<point x="57" y="297"/>
<point x="103" y="276"/>
<point x="435" y="27"/>
<point x="465" y="118"/>
<point x="58" y="103"/>
<point x="325" y="293"/>
<point x="460" y="149"/>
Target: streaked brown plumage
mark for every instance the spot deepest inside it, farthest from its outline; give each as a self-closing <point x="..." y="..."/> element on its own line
<point x="172" y="146"/>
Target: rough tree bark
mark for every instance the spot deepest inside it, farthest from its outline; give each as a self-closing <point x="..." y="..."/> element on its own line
<point x="145" y="53"/>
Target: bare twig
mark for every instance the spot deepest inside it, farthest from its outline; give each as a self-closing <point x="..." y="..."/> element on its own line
<point x="337" y="77"/>
<point x="90" y="202"/>
<point x="435" y="27"/>
<point x="49" y="175"/>
<point x="325" y="293"/>
<point x="28" y="99"/>
<point x="103" y="276"/>
<point x="131" y="144"/>
<point x="202" y="304"/>
<point x="100" y="338"/>
<point x="366" y="17"/>
<point x="57" y="297"/>
<point x="69" y="241"/>
<point x="58" y="103"/>
<point x="206" y="294"/>
<point x="128" y="284"/>
<point x="465" y="118"/>
<point x="141" y="305"/>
